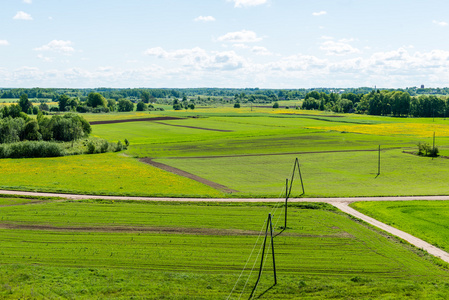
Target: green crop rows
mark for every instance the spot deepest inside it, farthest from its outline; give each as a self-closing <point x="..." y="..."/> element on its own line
<point x="89" y="249"/>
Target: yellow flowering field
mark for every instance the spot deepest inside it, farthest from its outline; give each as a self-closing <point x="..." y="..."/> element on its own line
<point x="104" y="174"/>
<point x="415" y="129"/>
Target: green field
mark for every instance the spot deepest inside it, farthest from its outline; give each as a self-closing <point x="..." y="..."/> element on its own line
<point x="105" y="249"/>
<point x="428" y="220"/>
<point x="251" y="152"/>
<point x="101" y="174"/>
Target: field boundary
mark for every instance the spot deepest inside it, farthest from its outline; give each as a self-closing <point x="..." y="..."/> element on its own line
<point x="180" y="172"/>
<point x="283" y="153"/>
<point x="135" y="120"/>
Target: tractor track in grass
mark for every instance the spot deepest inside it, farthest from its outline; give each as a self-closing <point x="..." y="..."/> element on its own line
<point x="157" y="120"/>
<point x="180" y="172"/>
<point x="340" y="203"/>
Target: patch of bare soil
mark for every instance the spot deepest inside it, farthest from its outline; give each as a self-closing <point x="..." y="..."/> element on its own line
<point x="135" y="120"/>
<point x="162" y="230"/>
<point x="180" y="172"/>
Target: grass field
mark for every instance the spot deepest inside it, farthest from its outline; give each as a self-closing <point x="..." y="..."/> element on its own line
<point x="215" y="143"/>
<point x="96" y="249"/>
<point x="427" y="220"/>
<point x="100" y="174"/>
<point x="335" y="174"/>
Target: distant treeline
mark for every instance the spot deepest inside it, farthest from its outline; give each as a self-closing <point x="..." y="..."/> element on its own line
<point x="381" y="103"/>
<point x="136" y="93"/>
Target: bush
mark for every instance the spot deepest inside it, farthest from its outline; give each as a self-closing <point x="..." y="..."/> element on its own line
<point x="424" y="149"/>
<point x="237" y="105"/>
<point x="118" y="147"/>
<point x="104" y="146"/>
<point x="90" y="148"/>
<point x="30" y="149"/>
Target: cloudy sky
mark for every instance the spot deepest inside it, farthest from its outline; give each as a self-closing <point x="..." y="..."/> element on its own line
<point x="224" y="43"/>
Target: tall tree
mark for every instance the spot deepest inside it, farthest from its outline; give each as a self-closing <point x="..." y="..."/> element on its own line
<point x="24" y="103"/>
<point x="96" y="99"/>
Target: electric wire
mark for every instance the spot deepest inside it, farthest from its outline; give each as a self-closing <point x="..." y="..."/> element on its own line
<point x="250" y="255"/>
<point x="252" y="251"/>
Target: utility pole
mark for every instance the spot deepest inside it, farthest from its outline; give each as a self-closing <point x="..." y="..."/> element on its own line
<point x="378" y="163"/>
<point x="286" y="199"/>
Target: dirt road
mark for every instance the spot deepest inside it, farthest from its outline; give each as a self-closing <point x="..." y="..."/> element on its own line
<point x="340" y="203"/>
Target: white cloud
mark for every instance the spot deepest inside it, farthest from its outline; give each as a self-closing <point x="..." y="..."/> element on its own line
<point x="44" y="58"/>
<point x="244" y="36"/>
<point x="28" y="1"/>
<point x="57" y="46"/>
<point x="246" y="3"/>
<point x="258" y="50"/>
<point x="199" y="59"/>
<point x="338" y="48"/>
<point x="22" y="16"/>
<point x="4" y="43"/>
<point x="240" y="46"/>
<point x="204" y="19"/>
<point x="319" y="13"/>
<point x="440" y="23"/>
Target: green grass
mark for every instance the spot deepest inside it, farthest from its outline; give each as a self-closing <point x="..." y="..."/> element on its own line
<point x="428" y="220"/>
<point x="95" y="249"/>
<point x="339" y="174"/>
<point x="15" y="201"/>
<point x="109" y="173"/>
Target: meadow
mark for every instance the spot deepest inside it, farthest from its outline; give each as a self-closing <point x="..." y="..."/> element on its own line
<point x="104" y="249"/>
<point x="250" y="150"/>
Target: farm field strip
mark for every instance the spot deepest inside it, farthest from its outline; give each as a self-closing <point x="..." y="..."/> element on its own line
<point x="340" y="203"/>
<point x="347" y="173"/>
<point x="320" y="242"/>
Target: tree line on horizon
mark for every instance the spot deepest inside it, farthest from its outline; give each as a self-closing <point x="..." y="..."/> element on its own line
<point x="380" y="103"/>
<point x="134" y="94"/>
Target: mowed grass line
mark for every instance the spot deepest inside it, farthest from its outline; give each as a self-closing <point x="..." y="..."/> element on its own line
<point x="98" y="174"/>
<point x="428" y="220"/>
<point x="324" y="253"/>
<point x="338" y="174"/>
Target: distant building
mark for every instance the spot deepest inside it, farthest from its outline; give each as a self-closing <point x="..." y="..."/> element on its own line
<point x="422" y="86"/>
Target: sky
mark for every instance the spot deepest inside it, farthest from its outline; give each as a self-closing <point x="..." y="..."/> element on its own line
<point x="280" y="44"/>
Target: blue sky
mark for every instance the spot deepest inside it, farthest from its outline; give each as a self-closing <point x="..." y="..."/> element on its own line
<point x="224" y="43"/>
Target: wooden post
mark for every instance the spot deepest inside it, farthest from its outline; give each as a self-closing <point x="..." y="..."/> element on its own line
<point x="286" y="199"/>
<point x="378" y="163"/>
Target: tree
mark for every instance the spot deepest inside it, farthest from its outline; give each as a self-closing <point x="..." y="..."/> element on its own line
<point x="96" y="99"/>
<point x="24" y="103"/>
<point x="112" y="104"/>
<point x="145" y="96"/>
<point x="31" y="131"/>
<point x="276" y="105"/>
<point x="141" y="106"/>
<point x="125" y="105"/>
<point x="63" y="100"/>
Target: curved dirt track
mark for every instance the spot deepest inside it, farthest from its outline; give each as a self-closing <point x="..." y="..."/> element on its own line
<point x="340" y="203"/>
